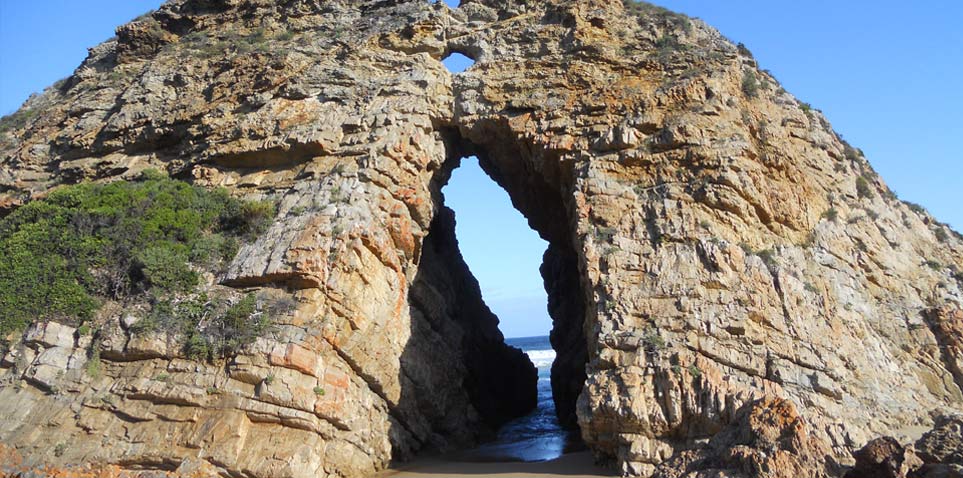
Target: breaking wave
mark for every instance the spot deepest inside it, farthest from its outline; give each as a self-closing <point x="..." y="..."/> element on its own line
<point x="541" y="358"/>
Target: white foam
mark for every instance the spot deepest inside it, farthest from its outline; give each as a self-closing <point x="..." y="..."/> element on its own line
<point x="541" y="358"/>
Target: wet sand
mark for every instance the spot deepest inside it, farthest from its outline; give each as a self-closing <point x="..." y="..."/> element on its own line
<point x="572" y="465"/>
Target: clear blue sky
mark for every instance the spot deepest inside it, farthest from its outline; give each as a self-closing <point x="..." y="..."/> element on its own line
<point x="887" y="74"/>
<point x="42" y="41"/>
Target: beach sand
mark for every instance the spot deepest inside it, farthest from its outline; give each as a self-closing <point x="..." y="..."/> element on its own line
<point x="572" y="465"/>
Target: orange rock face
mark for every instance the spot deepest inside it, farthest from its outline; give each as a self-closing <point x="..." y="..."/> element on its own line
<point x="733" y="288"/>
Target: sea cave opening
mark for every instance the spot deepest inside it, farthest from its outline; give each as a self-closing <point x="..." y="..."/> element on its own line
<point x="526" y="281"/>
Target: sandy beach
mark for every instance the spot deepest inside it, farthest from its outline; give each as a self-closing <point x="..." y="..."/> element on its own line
<point x="572" y="465"/>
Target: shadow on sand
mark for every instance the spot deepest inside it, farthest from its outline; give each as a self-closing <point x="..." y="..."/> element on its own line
<point x="578" y="464"/>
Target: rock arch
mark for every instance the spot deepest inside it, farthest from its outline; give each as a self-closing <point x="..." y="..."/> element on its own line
<point x="710" y="263"/>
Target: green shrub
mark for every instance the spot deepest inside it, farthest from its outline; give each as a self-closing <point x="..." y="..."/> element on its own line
<point x="653" y="342"/>
<point x="319" y="391"/>
<point x="645" y="10"/>
<point x="94" y="366"/>
<point x="863" y="189"/>
<point x="155" y="29"/>
<point x="165" y="266"/>
<point x="915" y="207"/>
<point x="605" y="233"/>
<point x="214" y="250"/>
<point x="197" y="348"/>
<point x="64" y="254"/>
<point x="851" y="153"/>
<point x="17" y="120"/>
<point x="208" y="47"/>
<point x="744" y="50"/>
<point x="208" y="328"/>
<point x="768" y="256"/>
<point x="239" y="325"/>
<point x="750" y="84"/>
<point x="832" y="214"/>
<point x="248" y="218"/>
<point x="666" y="45"/>
<point x="941" y="234"/>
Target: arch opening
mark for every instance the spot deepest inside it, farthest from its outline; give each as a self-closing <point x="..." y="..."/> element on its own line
<point x="539" y="184"/>
<point x="450" y="3"/>
<point x="457" y="62"/>
<point x="507" y="229"/>
<point x="504" y="255"/>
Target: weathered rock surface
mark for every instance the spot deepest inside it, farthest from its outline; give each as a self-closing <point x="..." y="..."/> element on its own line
<point x="941" y="449"/>
<point x="884" y="458"/>
<point x="766" y="438"/>
<point x="937" y="454"/>
<point x="731" y="283"/>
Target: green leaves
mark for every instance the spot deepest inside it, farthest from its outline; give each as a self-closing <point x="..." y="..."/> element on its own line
<point x="83" y="242"/>
<point x="750" y="84"/>
<point x="164" y="265"/>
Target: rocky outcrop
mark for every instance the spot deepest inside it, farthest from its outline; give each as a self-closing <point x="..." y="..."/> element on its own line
<point x="767" y="438"/>
<point x="884" y="458"/>
<point x="713" y="243"/>
<point x="941" y="449"/>
<point x="389" y="349"/>
<point x="937" y="454"/>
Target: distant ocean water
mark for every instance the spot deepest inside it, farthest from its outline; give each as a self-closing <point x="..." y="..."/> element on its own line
<point x="538" y="349"/>
<point x="538" y="435"/>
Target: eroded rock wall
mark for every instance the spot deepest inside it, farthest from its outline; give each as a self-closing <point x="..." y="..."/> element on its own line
<point x="389" y="349"/>
<point x="730" y="248"/>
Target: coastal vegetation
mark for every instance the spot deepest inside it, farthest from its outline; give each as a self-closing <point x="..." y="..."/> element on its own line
<point x="148" y="240"/>
<point x="647" y="11"/>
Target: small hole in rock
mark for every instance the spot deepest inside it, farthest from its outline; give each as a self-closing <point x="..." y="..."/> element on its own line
<point x="457" y="63"/>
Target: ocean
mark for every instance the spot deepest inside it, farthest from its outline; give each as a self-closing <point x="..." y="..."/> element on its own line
<point x="538" y="435"/>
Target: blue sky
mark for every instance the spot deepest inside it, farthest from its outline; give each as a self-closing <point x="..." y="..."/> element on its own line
<point x="42" y="41"/>
<point x="887" y="74"/>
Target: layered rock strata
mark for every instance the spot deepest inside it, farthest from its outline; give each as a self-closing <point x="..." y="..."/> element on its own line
<point x="713" y="242"/>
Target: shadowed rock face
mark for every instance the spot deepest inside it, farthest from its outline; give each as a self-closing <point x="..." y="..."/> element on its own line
<point x="713" y="243"/>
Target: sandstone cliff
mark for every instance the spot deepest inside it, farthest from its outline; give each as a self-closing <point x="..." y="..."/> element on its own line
<point x="719" y="257"/>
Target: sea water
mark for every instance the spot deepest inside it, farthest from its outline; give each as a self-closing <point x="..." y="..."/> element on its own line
<point x="538" y="435"/>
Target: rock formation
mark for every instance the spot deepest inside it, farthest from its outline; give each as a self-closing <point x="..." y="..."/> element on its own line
<point x="938" y="454"/>
<point x="720" y="260"/>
